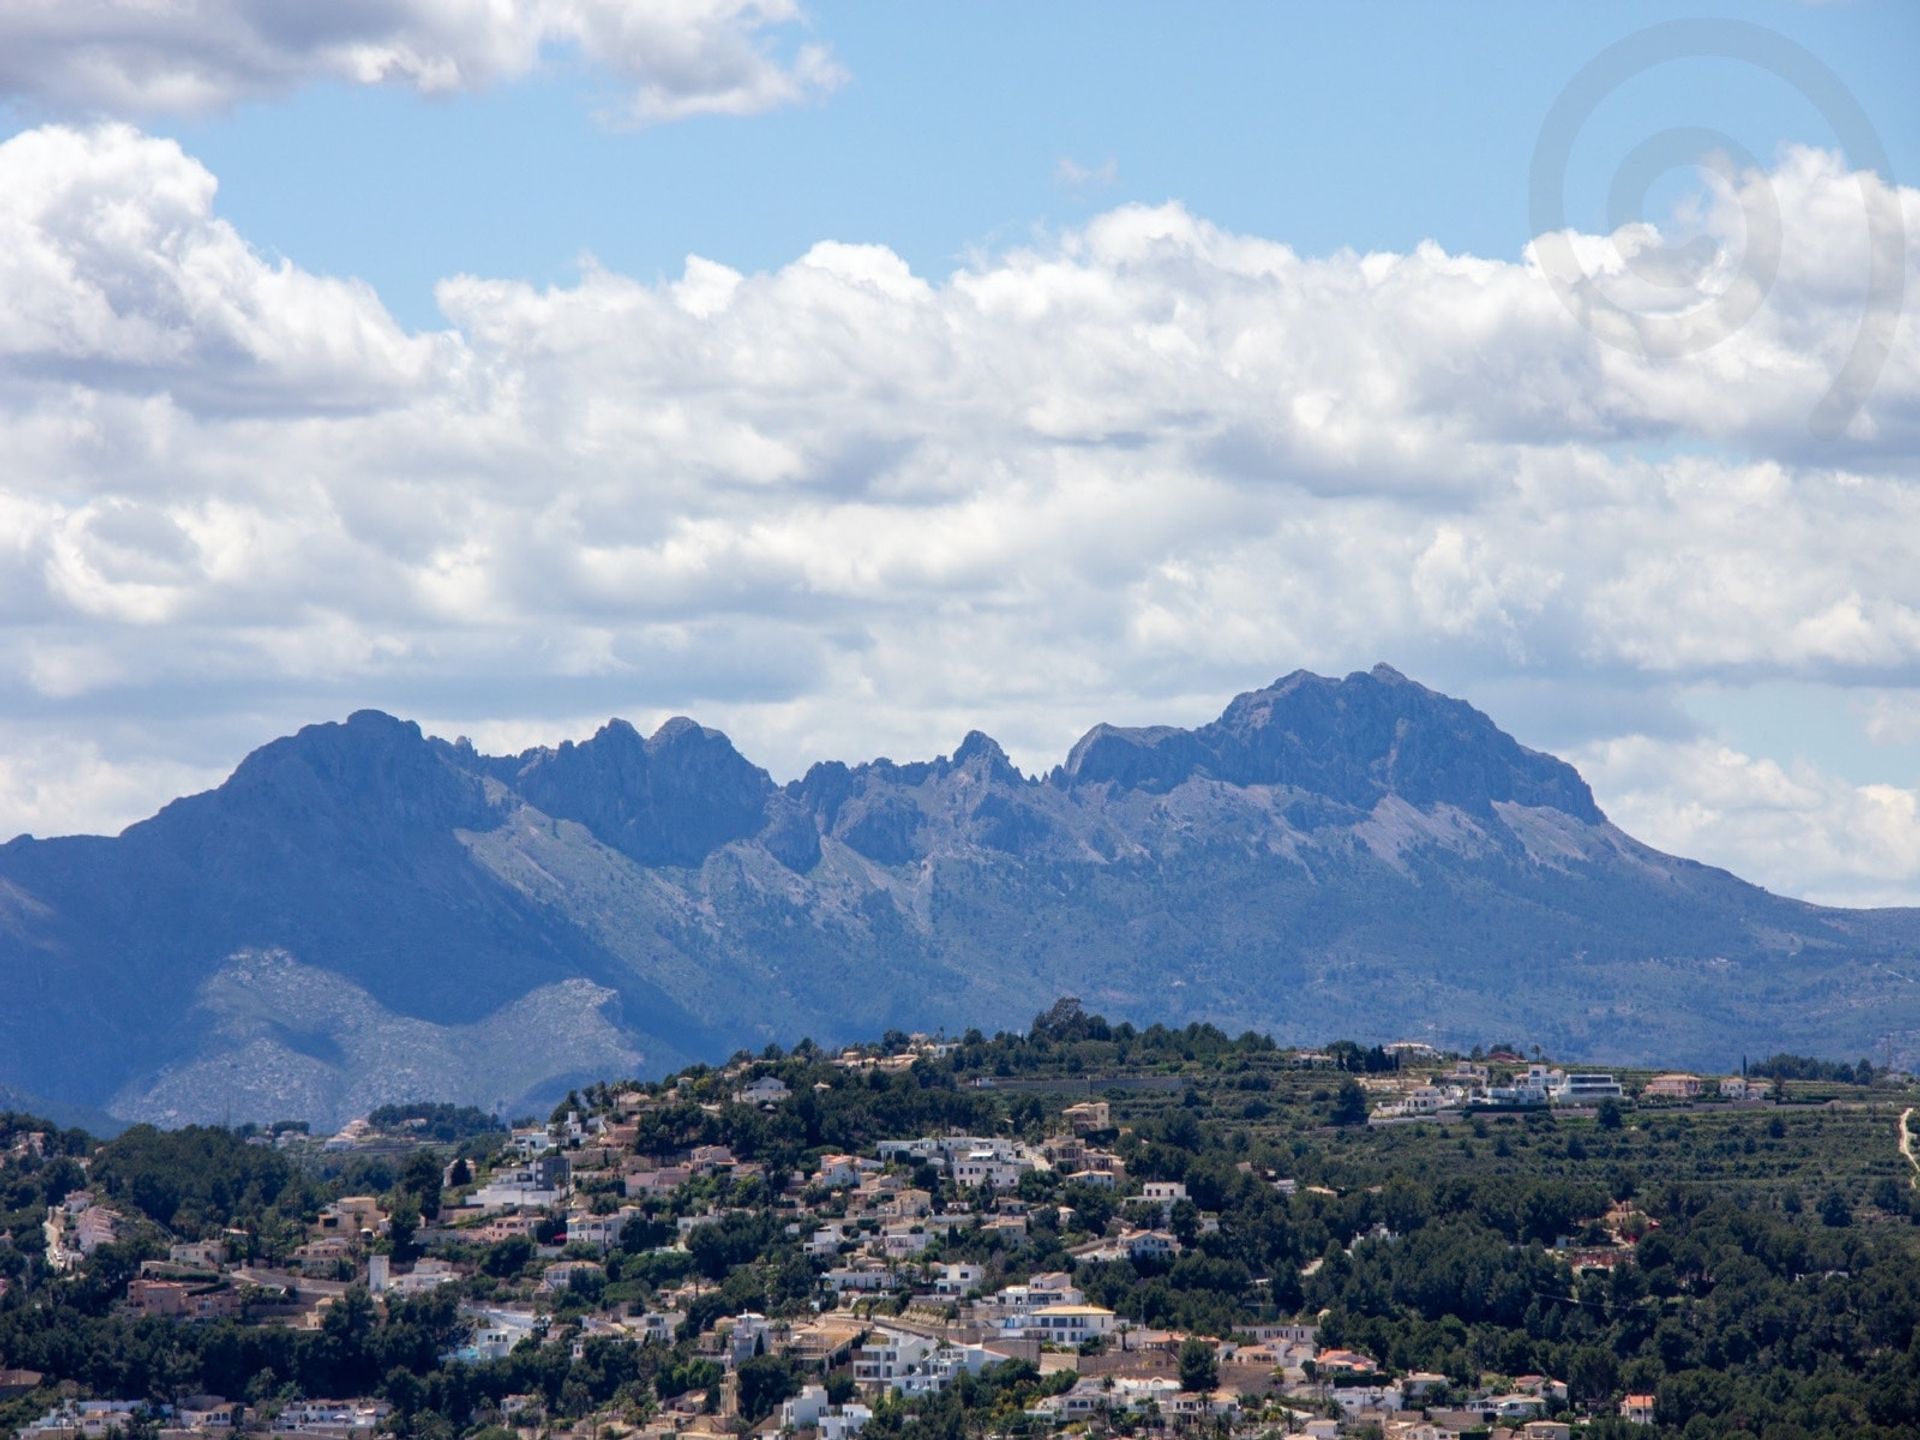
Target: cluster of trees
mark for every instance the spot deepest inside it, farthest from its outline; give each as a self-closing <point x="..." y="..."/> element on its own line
<point x="1804" y="1067"/>
<point x="34" y="1181"/>
<point x="15" y="1125"/>
<point x="199" y="1180"/>
<point x="1358" y="1059"/>
<point x="858" y="1110"/>
<point x="439" y="1122"/>
<point x="353" y="1351"/>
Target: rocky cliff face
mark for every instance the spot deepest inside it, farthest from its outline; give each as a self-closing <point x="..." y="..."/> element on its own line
<point x="1355" y="742"/>
<point x="672" y="799"/>
<point x="1360" y="856"/>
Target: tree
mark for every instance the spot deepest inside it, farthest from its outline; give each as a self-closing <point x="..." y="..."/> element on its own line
<point x="507" y="1258"/>
<point x="1062" y="1020"/>
<point x="732" y="1240"/>
<point x="1185" y="1222"/>
<point x="695" y="1374"/>
<point x="1199" y="1365"/>
<point x="262" y="1385"/>
<point x="1349" y="1104"/>
<point x="405" y="1391"/>
<point x="402" y="1224"/>
<point x="1592" y="1375"/>
<point x="765" y="1381"/>
<point x="421" y="1180"/>
<point x="1027" y="1115"/>
<point x="1608" y="1114"/>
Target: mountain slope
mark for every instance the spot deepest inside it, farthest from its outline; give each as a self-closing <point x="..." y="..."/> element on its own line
<point x="1358" y="856"/>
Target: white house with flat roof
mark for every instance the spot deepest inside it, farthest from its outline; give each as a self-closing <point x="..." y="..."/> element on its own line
<point x="1070" y="1324"/>
<point x="1587" y="1088"/>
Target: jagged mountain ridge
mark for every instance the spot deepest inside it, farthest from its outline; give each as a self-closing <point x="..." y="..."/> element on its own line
<point x="1358" y="856"/>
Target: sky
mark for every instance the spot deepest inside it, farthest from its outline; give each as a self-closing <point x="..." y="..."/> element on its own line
<point x="852" y="376"/>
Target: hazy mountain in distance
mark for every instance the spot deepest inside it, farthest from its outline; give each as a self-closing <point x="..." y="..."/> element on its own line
<point x="363" y="913"/>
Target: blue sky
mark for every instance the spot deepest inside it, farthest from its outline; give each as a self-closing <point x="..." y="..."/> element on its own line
<point x="1370" y="126"/>
<point x="1038" y="378"/>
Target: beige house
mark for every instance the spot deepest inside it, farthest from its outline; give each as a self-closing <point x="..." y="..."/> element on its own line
<point x="352" y="1215"/>
<point x="1088" y="1116"/>
<point x="1675" y="1087"/>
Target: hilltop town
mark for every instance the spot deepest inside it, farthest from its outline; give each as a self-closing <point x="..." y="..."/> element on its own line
<point x="1083" y="1228"/>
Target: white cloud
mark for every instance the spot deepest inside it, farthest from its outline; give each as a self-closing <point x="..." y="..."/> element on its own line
<point x="1893" y="718"/>
<point x="669" y="58"/>
<point x="1795" y="828"/>
<point x="1070" y="173"/>
<point x="115" y="271"/>
<point x="841" y="508"/>
<point x="55" y="784"/>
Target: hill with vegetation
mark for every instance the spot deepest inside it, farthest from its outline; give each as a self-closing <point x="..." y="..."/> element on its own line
<point x="1754" y="1267"/>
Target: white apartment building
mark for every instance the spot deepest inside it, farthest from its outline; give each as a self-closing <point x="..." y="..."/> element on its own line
<point x="810" y="1410"/>
<point x="891" y="1355"/>
<point x="601" y="1231"/>
<point x="989" y="1167"/>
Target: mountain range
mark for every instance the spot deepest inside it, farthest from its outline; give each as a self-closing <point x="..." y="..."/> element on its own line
<point x="364" y="913"/>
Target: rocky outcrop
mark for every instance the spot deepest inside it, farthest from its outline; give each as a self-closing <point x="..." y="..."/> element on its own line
<point x="671" y="799"/>
<point x="1354" y="741"/>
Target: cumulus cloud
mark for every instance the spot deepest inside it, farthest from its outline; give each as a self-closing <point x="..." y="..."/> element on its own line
<point x="115" y="272"/>
<point x="843" y="508"/>
<point x="54" y="783"/>
<point x="670" y="58"/>
<point x="1795" y="828"/>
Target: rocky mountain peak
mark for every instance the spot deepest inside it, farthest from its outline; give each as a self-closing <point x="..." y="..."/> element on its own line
<point x="982" y="752"/>
<point x="1150" y="757"/>
<point x="671" y="799"/>
<point x="616" y="732"/>
<point x="1355" y="741"/>
<point x="369" y="775"/>
<point x="681" y="730"/>
<point x="1377" y="733"/>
